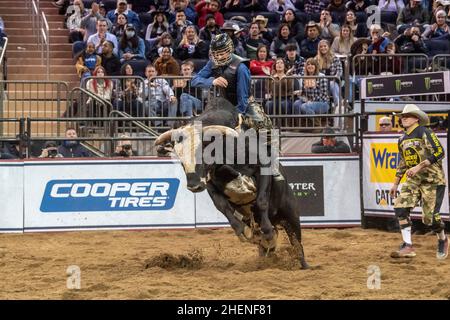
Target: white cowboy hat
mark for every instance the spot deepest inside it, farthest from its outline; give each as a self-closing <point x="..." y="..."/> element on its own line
<point x="414" y="110"/>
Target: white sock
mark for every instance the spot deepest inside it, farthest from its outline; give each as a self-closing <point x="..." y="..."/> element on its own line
<point x="441" y="235"/>
<point x="406" y="235"/>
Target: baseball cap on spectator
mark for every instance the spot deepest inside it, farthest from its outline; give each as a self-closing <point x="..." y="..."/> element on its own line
<point x="210" y="16"/>
<point x="121" y="1"/>
<point x="130" y="26"/>
<point x="50" y="144"/>
<point x="327" y="131"/>
<point x="231" y="27"/>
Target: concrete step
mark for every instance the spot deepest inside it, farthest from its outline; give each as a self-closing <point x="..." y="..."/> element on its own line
<point x="7" y="4"/>
<point x="38" y="61"/>
<point x="25" y="86"/>
<point x="52" y="77"/>
<point x="7" y="17"/>
<point x="14" y="52"/>
<point x="26" y="23"/>
<point x="36" y="95"/>
<point x="31" y="39"/>
<point x="24" y="10"/>
<point x="15" y="107"/>
<point x="29" y="32"/>
<point x="39" y="69"/>
<point x="35" y="47"/>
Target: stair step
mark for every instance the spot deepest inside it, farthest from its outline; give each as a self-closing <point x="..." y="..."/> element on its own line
<point x="52" y="77"/>
<point x="35" y="47"/>
<point x="17" y="107"/>
<point x="37" y="61"/>
<point x="39" y="69"/>
<point x="29" y="32"/>
<point x="27" y="23"/>
<point x="31" y="39"/>
<point x="20" y="85"/>
<point x="35" y="53"/>
<point x="9" y="4"/>
<point x="36" y="95"/>
<point x="24" y="10"/>
<point x="26" y="17"/>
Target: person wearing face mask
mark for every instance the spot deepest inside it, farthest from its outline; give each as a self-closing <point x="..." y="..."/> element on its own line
<point x="131" y="46"/>
<point x="72" y="148"/>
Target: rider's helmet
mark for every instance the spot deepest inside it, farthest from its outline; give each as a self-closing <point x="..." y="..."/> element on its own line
<point x="221" y="49"/>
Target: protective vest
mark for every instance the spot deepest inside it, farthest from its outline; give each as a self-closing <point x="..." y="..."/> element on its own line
<point x="229" y="72"/>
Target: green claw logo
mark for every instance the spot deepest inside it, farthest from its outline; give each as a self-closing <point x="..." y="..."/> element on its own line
<point x="398" y="85"/>
<point x="427" y="83"/>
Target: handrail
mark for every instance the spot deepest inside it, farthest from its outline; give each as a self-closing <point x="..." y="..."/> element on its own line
<point x="137" y="123"/>
<point x="439" y="57"/>
<point x="46" y="37"/>
<point x="2" y="55"/>
<point x="35" y="18"/>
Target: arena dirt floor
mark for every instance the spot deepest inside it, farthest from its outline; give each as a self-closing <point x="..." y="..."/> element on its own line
<point x="214" y="264"/>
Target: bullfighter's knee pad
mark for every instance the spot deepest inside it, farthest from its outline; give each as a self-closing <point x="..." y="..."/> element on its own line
<point x="402" y="215"/>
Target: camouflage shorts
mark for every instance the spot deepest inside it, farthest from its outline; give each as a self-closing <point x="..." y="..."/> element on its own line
<point x="430" y="196"/>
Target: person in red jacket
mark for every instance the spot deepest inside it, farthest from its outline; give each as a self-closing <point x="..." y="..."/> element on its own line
<point x="261" y="66"/>
<point x="205" y="7"/>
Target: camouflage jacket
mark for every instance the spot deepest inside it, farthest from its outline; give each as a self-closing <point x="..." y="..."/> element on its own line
<point x="416" y="146"/>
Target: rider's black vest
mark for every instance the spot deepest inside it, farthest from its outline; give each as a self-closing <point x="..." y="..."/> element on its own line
<point x="229" y="72"/>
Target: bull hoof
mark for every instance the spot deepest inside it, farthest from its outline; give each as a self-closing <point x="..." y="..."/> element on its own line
<point x="246" y="235"/>
<point x="304" y="265"/>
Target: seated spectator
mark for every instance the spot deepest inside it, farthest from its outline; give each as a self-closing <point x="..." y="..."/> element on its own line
<point x="330" y="65"/>
<point x="314" y="91"/>
<point x="165" y="41"/>
<point x="385" y="124"/>
<point x="177" y="27"/>
<point x="232" y="6"/>
<point x="279" y="90"/>
<point x="76" y="32"/>
<point x="329" y="30"/>
<point x="254" y="5"/>
<point x="411" y="42"/>
<point x="412" y="14"/>
<point x="157" y="27"/>
<point x="166" y="65"/>
<point x="391" y="64"/>
<point x="14" y="149"/>
<point x="131" y="46"/>
<point x="159" y="97"/>
<point x="297" y="27"/>
<point x="233" y="31"/>
<point x="191" y="46"/>
<point x="280" y="6"/>
<point x="189" y="104"/>
<point x="294" y="62"/>
<point x="87" y="61"/>
<point x="103" y="88"/>
<point x="89" y="22"/>
<point x="261" y="66"/>
<point x="210" y="30"/>
<point x="313" y="8"/>
<point x="342" y="45"/>
<point x="110" y="61"/>
<point x="309" y="45"/>
<point x="337" y="9"/>
<point x="438" y="30"/>
<point x="359" y="30"/>
<point x="254" y="41"/>
<point x="128" y="98"/>
<point x="122" y="7"/>
<point x="358" y="5"/>
<point x="329" y="143"/>
<point x="124" y="148"/>
<point x="263" y="29"/>
<point x="118" y="29"/>
<point x="101" y="36"/>
<point x="391" y="5"/>
<point x="379" y="43"/>
<point x="203" y="8"/>
<point x="186" y="7"/>
<point x="50" y="150"/>
<point x="72" y="148"/>
<point x="278" y="45"/>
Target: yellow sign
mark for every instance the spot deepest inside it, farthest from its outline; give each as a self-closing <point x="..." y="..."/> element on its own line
<point x="384" y="158"/>
<point x="396" y="126"/>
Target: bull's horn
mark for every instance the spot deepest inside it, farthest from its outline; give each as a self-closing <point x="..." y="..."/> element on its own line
<point x="224" y="130"/>
<point x="164" y="137"/>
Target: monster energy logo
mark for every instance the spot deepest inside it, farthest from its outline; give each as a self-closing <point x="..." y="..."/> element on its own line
<point x="369" y="87"/>
<point x="427" y="83"/>
<point x="398" y="85"/>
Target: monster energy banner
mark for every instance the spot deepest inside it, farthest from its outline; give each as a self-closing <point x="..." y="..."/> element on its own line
<point x="406" y="85"/>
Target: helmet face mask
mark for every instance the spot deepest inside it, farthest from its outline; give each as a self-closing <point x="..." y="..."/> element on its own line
<point x="221" y="49"/>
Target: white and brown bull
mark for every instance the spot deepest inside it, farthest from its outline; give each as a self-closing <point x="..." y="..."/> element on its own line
<point x="252" y="200"/>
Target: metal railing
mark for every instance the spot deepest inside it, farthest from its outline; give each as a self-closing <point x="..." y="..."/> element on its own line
<point x="41" y="31"/>
<point x="440" y="62"/>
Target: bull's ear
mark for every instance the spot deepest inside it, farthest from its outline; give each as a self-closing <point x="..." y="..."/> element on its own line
<point x="164" y="150"/>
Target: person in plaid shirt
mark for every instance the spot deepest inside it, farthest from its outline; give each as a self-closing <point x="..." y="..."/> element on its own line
<point x="314" y="7"/>
<point x="314" y="91"/>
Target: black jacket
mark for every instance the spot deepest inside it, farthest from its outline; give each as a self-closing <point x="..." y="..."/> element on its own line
<point x="340" y="147"/>
<point x="76" y="151"/>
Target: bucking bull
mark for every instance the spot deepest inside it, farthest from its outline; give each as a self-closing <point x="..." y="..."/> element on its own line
<point x="255" y="201"/>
